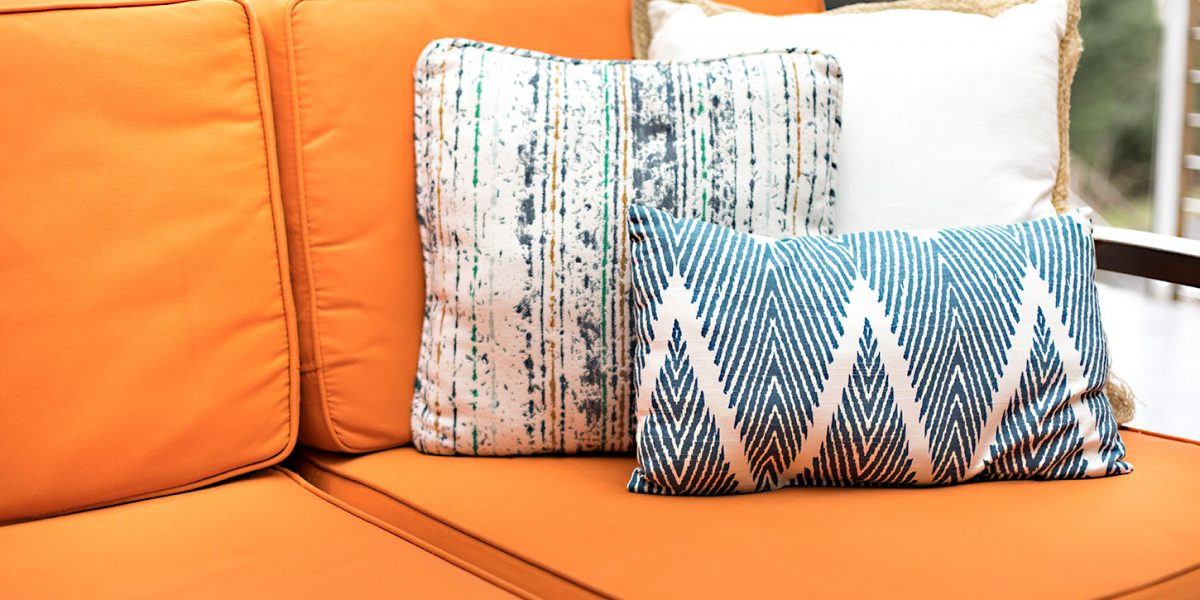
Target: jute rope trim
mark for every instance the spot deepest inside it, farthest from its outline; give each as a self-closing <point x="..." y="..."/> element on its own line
<point x="1119" y="394"/>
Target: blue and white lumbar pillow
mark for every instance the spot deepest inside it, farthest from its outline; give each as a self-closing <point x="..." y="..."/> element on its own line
<point x="880" y="358"/>
<point x="526" y="164"/>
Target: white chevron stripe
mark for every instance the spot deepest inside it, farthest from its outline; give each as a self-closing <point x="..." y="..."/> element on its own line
<point x="863" y="306"/>
<point x="1010" y="377"/>
<point x="892" y="357"/>
<point x="1036" y="294"/>
<point x="677" y="300"/>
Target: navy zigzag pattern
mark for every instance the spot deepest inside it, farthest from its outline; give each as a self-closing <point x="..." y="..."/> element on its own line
<point x="867" y="443"/>
<point x="772" y="382"/>
<point x="1038" y="437"/>
<point x="954" y="304"/>
<point x="682" y="445"/>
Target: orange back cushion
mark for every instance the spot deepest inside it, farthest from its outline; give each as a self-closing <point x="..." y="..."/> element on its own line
<point x="341" y="79"/>
<point x="778" y="7"/>
<point x="147" y="327"/>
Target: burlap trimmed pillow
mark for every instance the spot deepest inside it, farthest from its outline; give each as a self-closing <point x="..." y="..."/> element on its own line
<point x="1068" y="59"/>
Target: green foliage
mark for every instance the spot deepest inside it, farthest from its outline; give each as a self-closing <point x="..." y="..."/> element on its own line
<point x="1115" y="92"/>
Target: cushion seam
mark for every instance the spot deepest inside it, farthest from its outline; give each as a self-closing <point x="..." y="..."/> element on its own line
<point x="87" y="6"/>
<point x="430" y="516"/>
<point x="281" y="265"/>
<point x="318" y="369"/>
<point x="1153" y="583"/>
<point x="1162" y="436"/>
<point x="397" y="532"/>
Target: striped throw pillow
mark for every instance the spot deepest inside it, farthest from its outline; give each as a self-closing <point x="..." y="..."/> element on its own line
<point x="526" y="164"/>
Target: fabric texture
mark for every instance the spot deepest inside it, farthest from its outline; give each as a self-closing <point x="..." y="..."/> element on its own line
<point x="977" y="98"/>
<point x="148" y="328"/>
<point x="570" y="516"/>
<point x="526" y="164"/>
<point x="884" y="358"/>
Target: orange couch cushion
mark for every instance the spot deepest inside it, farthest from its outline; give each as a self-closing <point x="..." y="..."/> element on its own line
<point x="343" y="89"/>
<point x="264" y="535"/>
<point x="542" y="519"/>
<point x="778" y="7"/>
<point x="147" y="324"/>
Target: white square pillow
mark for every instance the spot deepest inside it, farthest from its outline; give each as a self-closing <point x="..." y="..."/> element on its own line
<point x="949" y="118"/>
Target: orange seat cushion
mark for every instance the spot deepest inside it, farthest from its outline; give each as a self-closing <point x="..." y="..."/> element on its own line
<point x="570" y="518"/>
<point x="265" y="535"/>
<point x="146" y="312"/>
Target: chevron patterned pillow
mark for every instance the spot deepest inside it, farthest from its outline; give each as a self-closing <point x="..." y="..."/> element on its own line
<point x="879" y="358"/>
<point x="525" y="166"/>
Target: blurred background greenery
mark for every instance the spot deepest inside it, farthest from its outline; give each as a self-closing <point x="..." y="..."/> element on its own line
<point x="1113" y="107"/>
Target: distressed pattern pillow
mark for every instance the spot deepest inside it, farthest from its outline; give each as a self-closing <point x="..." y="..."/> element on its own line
<point x="883" y="358"/>
<point x="526" y="164"/>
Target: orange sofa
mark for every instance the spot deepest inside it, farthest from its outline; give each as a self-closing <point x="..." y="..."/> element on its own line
<point x="210" y="316"/>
